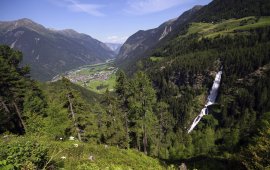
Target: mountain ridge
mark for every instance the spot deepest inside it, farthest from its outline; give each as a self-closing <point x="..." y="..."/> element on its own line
<point x="50" y="52"/>
<point x="138" y="44"/>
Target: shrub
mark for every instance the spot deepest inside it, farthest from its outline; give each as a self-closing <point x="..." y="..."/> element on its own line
<point x="22" y="154"/>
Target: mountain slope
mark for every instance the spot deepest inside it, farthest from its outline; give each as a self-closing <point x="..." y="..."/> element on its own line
<point x="228" y="35"/>
<point x="226" y="9"/>
<point x="137" y="44"/>
<point x="50" y="52"/>
<point x="143" y="43"/>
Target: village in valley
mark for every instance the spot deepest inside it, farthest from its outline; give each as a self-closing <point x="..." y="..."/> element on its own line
<point x="97" y="77"/>
<point x="103" y="75"/>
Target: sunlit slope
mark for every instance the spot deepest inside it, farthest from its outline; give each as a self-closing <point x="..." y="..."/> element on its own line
<point x="227" y="27"/>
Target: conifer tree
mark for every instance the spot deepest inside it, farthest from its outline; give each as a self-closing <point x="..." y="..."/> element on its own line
<point x="122" y="91"/>
<point x="141" y="102"/>
<point x="13" y="82"/>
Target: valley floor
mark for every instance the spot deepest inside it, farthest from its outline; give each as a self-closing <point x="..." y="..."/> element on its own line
<point x="97" y="77"/>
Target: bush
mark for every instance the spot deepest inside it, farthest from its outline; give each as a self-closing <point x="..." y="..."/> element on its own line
<point x="22" y="154"/>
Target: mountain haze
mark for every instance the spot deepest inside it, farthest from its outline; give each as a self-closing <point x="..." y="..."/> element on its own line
<point x="114" y="47"/>
<point x="50" y="52"/>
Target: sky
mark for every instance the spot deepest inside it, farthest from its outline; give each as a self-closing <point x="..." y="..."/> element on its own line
<point x="106" y="20"/>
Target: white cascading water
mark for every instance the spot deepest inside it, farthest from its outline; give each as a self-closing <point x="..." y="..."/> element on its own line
<point x="210" y="100"/>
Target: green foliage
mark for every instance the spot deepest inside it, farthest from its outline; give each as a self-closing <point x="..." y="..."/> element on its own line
<point x="151" y="111"/>
<point x="141" y="101"/>
<point x="22" y="154"/>
<point x="187" y="69"/>
<point x="229" y="27"/>
<point x="256" y="155"/>
<point x="219" y="10"/>
<point x="113" y="123"/>
<point x="155" y="58"/>
<point x="13" y="83"/>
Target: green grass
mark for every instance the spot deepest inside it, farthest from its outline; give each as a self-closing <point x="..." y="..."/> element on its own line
<point x="263" y="22"/>
<point x="92" y="69"/>
<point x="156" y="59"/>
<point x="110" y="158"/>
<point x="227" y="27"/>
<point x="103" y="158"/>
<point x="109" y="83"/>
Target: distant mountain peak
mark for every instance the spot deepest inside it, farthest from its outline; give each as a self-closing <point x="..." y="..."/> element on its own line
<point x="25" y="20"/>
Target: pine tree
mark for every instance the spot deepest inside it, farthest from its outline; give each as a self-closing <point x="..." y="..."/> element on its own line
<point x="72" y="100"/>
<point x="13" y="83"/>
<point x="122" y="91"/>
<point x="166" y="124"/>
<point x="141" y="102"/>
<point x="114" y="133"/>
<point x="256" y="155"/>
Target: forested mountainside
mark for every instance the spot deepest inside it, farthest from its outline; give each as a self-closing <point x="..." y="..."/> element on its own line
<point x="218" y="10"/>
<point x="50" y="52"/>
<point x="183" y="67"/>
<point x="215" y="11"/>
<point x="144" y="123"/>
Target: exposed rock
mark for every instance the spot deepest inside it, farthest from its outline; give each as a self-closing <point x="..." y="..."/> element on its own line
<point x="183" y="166"/>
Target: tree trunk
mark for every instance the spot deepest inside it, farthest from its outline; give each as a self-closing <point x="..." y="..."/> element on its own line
<point x="4" y="105"/>
<point x="127" y="130"/>
<point x="144" y="129"/>
<point x="138" y="143"/>
<point x="160" y="133"/>
<point x="159" y="140"/>
<point x="73" y="117"/>
<point x="144" y="140"/>
<point x="19" y="115"/>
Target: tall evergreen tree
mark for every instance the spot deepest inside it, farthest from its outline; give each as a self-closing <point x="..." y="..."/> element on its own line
<point x="114" y="132"/>
<point x="122" y="91"/>
<point x="13" y="82"/>
<point x="141" y="102"/>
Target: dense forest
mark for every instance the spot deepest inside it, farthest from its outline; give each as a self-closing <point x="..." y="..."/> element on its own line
<point x="143" y="123"/>
<point x="180" y="72"/>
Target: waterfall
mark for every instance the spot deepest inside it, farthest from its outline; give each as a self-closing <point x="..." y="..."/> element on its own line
<point x="210" y="100"/>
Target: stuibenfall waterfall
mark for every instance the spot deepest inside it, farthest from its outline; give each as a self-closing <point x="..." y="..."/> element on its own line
<point x="210" y="100"/>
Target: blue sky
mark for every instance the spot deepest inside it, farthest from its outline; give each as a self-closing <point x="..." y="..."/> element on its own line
<point x="105" y="20"/>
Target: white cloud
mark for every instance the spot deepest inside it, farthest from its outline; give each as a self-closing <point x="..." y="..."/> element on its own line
<point x="116" y="39"/>
<point x="76" y="6"/>
<point x="141" y="7"/>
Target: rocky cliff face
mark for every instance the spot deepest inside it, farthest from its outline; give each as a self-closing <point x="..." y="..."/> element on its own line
<point x="50" y="52"/>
